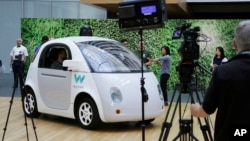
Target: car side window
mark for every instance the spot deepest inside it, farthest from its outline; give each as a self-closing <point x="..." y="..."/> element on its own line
<point x="52" y="56"/>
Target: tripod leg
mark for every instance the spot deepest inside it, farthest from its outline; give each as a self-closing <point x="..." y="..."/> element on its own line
<point x="186" y="131"/>
<point x="179" y="135"/>
<point x="167" y="125"/>
<point x="186" y="125"/>
<point x="208" y="129"/>
<point x="206" y="132"/>
<point x="191" y="136"/>
<point x="185" y="137"/>
<point x="23" y="92"/>
<point x="21" y="81"/>
<point x="8" y="115"/>
<point x="26" y="125"/>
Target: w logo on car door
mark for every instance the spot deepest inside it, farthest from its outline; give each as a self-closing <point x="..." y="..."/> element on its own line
<point x="79" y="78"/>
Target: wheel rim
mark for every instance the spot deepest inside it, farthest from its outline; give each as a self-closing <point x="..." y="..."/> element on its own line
<point x="29" y="103"/>
<point x="85" y="113"/>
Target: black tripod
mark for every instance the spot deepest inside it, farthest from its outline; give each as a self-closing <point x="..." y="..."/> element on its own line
<point x="144" y="95"/>
<point x="23" y="93"/>
<point x="186" y="128"/>
<point x="186" y="125"/>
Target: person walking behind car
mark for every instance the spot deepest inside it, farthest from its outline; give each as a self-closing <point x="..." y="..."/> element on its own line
<point x="219" y="58"/>
<point x="44" y="39"/>
<point x="18" y="56"/>
<point x="228" y="91"/>
<point x="124" y="42"/>
<point x="165" y="63"/>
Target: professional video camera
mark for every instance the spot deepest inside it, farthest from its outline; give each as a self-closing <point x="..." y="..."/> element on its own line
<point x="141" y="14"/>
<point x="189" y="50"/>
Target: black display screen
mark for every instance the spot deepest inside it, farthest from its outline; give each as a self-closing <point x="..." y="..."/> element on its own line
<point x="148" y="9"/>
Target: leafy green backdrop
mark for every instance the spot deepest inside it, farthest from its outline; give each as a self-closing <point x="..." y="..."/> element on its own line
<point x="220" y="33"/>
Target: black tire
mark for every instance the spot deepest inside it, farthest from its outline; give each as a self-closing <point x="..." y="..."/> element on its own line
<point x="148" y="121"/>
<point x="87" y="114"/>
<point x="30" y="104"/>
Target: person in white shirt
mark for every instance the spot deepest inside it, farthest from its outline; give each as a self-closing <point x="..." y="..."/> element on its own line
<point x="18" y="57"/>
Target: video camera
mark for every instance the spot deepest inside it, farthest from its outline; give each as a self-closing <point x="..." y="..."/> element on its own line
<point x="189" y="50"/>
<point x="141" y="14"/>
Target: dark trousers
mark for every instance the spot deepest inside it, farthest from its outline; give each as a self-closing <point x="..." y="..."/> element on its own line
<point x="18" y="71"/>
<point x="163" y="82"/>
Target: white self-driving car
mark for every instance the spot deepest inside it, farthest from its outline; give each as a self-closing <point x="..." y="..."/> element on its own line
<point x="100" y="82"/>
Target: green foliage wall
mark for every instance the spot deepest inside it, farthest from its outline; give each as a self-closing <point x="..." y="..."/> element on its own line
<point x="220" y="33"/>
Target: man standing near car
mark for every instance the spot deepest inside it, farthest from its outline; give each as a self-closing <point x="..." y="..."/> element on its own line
<point x="146" y="55"/>
<point x="18" y="57"/>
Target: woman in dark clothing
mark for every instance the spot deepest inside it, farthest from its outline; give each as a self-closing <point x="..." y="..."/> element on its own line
<point x="219" y="58"/>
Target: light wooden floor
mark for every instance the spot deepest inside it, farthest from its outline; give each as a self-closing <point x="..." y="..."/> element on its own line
<point x="51" y="128"/>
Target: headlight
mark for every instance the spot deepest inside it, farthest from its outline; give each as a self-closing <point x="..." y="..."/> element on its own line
<point x="116" y="95"/>
<point x="160" y="92"/>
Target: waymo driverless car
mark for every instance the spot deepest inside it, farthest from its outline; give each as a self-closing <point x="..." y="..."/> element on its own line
<point x="92" y="80"/>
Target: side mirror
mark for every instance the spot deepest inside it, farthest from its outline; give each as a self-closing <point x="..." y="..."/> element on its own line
<point x="74" y="65"/>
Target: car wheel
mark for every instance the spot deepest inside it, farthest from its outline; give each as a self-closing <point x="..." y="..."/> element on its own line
<point x="30" y="104"/>
<point x="87" y="114"/>
<point x="147" y="121"/>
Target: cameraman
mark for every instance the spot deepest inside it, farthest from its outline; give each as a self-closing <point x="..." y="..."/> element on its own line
<point x="229" y="88"/>
<point x="18" y="57"/>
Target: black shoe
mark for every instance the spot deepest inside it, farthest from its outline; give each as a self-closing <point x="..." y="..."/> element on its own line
<point x="166" y="103"/>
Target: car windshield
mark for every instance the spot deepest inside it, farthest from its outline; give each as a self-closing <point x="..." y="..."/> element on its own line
<point x="109" y="56"/>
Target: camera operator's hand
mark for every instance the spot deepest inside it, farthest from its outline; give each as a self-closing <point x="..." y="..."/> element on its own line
<point x="197" y="110"/>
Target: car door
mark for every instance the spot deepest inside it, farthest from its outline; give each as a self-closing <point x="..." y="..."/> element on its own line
<point x="54" y="84"/>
